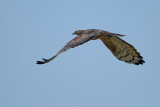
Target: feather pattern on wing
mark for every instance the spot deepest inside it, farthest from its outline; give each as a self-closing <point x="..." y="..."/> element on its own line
<point x="122" y="50"/>
<point x="79" y="40"/>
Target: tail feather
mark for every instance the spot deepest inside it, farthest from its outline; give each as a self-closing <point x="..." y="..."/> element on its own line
<point x="116" y="34"/>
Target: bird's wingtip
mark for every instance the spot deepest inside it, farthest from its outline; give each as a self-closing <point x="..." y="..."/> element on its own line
<point x="42" y="62"/>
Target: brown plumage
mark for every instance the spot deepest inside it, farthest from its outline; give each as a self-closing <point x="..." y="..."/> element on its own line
<point x="120" y="49"/>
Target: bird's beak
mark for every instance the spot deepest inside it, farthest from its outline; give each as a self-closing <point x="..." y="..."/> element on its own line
<point x="73" y="33"/>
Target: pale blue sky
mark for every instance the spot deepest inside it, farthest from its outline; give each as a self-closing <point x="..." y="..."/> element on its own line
<point x="86" y="76"/>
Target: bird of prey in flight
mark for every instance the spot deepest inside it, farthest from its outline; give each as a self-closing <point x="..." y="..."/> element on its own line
<point x="120" y="49"/>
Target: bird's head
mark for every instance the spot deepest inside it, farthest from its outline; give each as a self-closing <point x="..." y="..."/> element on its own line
<point x="78" y="32"/>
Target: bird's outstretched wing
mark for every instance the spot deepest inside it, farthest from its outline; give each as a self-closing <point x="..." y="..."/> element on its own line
<point x="80" y="39"/>
<point x="122" y="50"/>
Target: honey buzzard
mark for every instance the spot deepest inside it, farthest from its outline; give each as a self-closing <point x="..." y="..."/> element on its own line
<point x="120" y="49"/>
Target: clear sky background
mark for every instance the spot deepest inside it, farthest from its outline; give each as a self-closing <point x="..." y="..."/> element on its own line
<point x="86" y="76"/>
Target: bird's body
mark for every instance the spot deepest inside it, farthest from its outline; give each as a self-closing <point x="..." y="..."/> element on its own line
<point x="120" y="49"/>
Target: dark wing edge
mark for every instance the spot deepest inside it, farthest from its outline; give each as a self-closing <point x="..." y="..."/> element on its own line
<point x="122" y="50"/>
<point x="79" y="40"/>
<point x="46" y="60"/>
